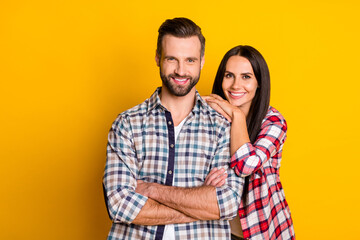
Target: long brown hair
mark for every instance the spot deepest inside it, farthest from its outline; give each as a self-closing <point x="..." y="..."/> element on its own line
<point x="260" y="103"/>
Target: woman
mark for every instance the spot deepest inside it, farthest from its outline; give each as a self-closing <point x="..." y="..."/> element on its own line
<point x="258" y="132"/>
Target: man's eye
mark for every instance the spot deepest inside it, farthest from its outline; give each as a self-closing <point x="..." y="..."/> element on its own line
<point x="190" y="61"/>
<point x="171" y="59"/>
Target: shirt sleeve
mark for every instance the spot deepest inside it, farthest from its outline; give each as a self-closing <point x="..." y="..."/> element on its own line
<point x="250" y="157"/>
<point x="121" y="171"/>
<point x="228" y="195"/>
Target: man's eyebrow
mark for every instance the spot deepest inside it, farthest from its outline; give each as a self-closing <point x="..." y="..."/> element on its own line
<point x="169" y="56"/>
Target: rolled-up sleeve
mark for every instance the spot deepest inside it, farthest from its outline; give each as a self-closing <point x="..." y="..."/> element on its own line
<point x="120" y="174"/>
<point x="228" y="195"/>
<point x="250" y="157"/>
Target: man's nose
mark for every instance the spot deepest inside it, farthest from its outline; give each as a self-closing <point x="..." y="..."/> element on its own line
<point x="180" y="69"/>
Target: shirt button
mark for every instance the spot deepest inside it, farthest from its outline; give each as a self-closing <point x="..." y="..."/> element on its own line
<point x="172" y="145"/>
<point x="170" y="172"/>
<point x="169" y="122"/>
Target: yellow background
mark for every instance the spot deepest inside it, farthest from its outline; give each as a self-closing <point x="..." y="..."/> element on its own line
<point x="67" y="68"/>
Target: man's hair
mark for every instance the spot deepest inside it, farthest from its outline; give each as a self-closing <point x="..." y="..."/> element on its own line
<point x="181" y="28"/>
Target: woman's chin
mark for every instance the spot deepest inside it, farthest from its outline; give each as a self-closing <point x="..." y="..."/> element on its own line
<point x="235" y="103"/>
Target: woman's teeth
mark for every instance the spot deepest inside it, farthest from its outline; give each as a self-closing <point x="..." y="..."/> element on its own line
<point x="236" y="94"/>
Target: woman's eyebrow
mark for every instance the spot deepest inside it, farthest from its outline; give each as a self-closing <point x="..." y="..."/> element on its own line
<point x="247" y="73"/>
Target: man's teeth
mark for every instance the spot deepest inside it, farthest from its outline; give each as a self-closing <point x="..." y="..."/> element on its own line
<point x="237" y="94"/>
<point x="180" y="80"/>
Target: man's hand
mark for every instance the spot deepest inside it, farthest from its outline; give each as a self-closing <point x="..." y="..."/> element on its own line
<point x="216" y="177"/>
<point x="144" y="188"/>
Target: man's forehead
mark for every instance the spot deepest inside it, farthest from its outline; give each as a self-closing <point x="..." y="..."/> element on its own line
<point x="172" y="43"/>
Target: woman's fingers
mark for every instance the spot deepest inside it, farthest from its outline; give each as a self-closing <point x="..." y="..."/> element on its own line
<point x="216" y="97"/>
<point x="224" y="105"/>
<point x="220" y="105"/>
<point x="206" y="97"/>
<point x="217" y="108"/>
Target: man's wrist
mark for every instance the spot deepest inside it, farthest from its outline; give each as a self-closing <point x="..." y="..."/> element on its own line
<point x="154" y="190"/>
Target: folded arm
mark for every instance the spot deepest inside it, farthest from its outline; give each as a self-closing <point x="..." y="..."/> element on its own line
<point x="119" y="181"/>
<point x="199" y="203"/>
<point x="204" y="202"/>
<point x="154" y="213"/>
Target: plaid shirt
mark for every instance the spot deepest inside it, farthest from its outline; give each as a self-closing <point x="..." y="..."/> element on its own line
<point x="141" y="145"/>
<point x="264" y="212"/>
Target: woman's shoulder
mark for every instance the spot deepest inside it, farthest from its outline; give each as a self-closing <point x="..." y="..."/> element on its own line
<point x="274" y="116"/>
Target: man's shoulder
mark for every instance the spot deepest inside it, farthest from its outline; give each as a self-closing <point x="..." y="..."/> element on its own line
<point x="137" y="110"/>
<point x="214" y="115"/>
<point x="132" y="115"/>
<point x="142" y="108"/>
<point x="215" y="119"/>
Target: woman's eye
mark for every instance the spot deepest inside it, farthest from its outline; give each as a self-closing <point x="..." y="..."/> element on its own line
<point x="228" y="75"/>
<point x="246" y="77"/>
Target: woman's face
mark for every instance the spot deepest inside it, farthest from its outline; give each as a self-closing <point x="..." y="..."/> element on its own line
<point x="239" y="83"/>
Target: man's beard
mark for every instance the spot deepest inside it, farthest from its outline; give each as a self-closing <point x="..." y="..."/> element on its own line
<point x="176" y="89"/>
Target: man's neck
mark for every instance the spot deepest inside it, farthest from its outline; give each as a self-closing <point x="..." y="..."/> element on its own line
<point x="180" y="107"/>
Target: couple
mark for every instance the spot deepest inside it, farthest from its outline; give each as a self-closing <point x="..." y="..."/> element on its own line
<point x="167" y="173"/>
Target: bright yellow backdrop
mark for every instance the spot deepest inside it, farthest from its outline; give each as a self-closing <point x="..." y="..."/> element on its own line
<point x="67" y="68"/>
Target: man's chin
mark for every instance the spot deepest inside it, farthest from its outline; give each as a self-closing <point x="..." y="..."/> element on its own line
<point x="180" y="93"/>
<point x="179" y="90"/>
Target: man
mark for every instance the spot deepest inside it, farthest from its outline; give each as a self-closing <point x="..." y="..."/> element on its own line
<point x="160" y="152"/>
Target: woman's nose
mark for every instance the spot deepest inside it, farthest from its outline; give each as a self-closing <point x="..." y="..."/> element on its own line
<point x="237" y="83"/>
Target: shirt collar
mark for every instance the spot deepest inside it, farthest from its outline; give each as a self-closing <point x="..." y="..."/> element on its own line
<point x="154" y="101"/>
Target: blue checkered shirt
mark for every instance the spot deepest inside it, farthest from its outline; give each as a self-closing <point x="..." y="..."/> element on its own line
<point x="141" y="145"/>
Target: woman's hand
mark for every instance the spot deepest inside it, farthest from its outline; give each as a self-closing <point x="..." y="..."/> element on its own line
<point x="221" y="106"/>
<point x="216" y="177"/>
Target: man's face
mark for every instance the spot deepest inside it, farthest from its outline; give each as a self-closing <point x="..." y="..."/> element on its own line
<point x="180" y="63"/>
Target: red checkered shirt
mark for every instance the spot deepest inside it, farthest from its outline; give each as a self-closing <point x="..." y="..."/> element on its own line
<point x="264" y="212"/>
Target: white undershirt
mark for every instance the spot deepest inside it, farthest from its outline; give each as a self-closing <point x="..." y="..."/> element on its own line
<point x="169" y="231"/>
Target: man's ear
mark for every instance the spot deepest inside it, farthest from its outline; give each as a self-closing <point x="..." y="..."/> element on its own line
<point x="157" y="59"/>
<point x="202" y="61"/>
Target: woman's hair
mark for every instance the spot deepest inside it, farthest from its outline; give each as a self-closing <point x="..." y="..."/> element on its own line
<point x="260" y="103"/>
